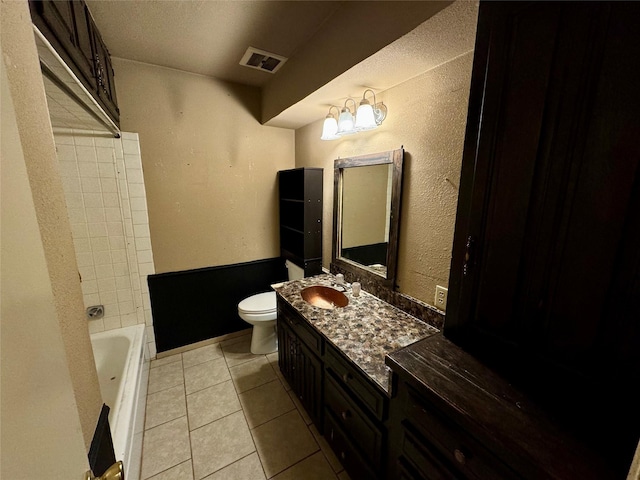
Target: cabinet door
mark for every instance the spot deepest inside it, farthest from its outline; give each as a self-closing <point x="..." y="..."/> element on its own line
<point x="287" y="352"/>
<point x="64" y="25"/>
<point x="545" y="264"/>
<point x="104" y="75"/>
<point x="309" y="384"/>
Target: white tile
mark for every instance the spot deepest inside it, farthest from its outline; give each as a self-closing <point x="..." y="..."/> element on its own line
<point x="84" y="259"/>
<point x="139" y="204"/>
<point x="82" y="138"/>
<point x="117" y="143"/>
<point x="119" y="256"/>
<point x="130" y="147"/>
<point x="111" y="323"/>
<point x="127" y="307"/>
<point x="132" y="161"/>
<point x="129" y="136"/>
<point x="87" y="169"/>
<point x="97" y="229"/>
<point x="86" y="154"/>
<point x="134" y="175"/>
<point x="87" y="273"/>
<point x="129" y="319"/>
<point x="79" y="230"/>
<point x="89" y="286"/>
<point x="112" y="214"/>
<point x="104" y="271"/>
<point x="82" y="245"/>
<point x="68" y="169"/>
<point x="125" y="295"/>
<point x="117" y="243"/>
<point x="145" y="256"/>
<point x="92" y="199"/>
<point x="120" y="269"/>
<point x="111" y="199"/>
<point x="136" y="190"/>
<point x="111" y="310"/>
<point x="71" y="184"/>
<point x="106" y="284"/>
<point x="141" y="230"/>
<point x="143" y="243"/>
<point x="105" y="155"/>
<point x="66" y="153"/>
<point x="107" y="170"/>
<point x="139" y="217"/>
<point x="90" y="184"/>
<point x="146" y="269"/>
<point x="108" y="298"/>
<point x="114" y="229"/>
<point x="96" y="326"/>
<point x="76" y="215"/>
<point x="91" y="299"/>
<point x="95" y="215"/>
<point x="63" y="138"/>
<point x="148" y="318"/>
<point x="123" y="283"/>
<point x="100" y="244"/>
<point x="109" y="185"/>
<point x="103" y="141"/>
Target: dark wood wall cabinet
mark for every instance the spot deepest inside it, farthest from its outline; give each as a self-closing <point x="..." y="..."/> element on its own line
<point x="70" y="29"/>
<point x="301" y="218"/>
<point x="345" y="405"/>
<point x="545" y="275"/>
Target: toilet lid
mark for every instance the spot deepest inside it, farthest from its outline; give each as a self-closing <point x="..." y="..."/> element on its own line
<point x="260" y="303"/>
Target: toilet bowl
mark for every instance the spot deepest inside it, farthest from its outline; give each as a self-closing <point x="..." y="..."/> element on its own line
<point x="261" y="311"/>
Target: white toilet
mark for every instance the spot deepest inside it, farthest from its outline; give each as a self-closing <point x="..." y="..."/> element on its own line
<point x="261" y="311"/>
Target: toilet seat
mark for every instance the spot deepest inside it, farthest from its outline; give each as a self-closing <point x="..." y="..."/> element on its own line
<point x="260" y="305"/>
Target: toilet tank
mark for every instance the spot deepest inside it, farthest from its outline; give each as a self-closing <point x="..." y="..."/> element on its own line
<point x="294" y="271"/>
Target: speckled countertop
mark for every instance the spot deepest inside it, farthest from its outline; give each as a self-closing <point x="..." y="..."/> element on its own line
<point x="366" y="330"/>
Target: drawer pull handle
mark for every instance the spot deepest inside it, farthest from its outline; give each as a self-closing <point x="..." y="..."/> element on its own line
<point x="343" y="455"/>
<point x="460" y="457"/>
<point x="345" y="377"/>
<point x="346" y="414"/>
<point x="331" y="434"/>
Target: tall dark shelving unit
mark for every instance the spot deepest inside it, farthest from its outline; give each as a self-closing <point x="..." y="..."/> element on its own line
<point x="301" y="218"/>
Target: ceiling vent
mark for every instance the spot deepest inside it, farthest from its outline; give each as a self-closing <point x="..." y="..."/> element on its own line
<point x="261" y="60"/>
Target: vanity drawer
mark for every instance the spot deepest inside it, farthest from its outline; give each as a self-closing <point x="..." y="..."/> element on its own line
<point x="454" y="445"/>
<point x="418" y="461"/>
<point x="354" y="381"/>
<point x="352" y="461"/>
<point x="353" y="421"/>
<point x="311" y="338"/>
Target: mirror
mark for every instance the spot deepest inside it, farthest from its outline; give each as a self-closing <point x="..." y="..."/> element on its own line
<point x="366" y="212"/>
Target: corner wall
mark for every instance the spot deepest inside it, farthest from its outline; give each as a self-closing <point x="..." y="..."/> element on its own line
<point x="427" y="115"/>
<point x="210" y="168"/>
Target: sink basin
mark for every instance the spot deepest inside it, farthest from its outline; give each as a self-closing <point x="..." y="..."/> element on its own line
<point x="324" y="297"/>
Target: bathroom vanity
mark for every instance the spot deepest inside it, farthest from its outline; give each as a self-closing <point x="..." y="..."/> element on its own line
<point x="334" y="361"/>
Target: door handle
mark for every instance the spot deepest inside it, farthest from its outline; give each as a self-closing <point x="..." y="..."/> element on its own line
<point x="114" y="472"/>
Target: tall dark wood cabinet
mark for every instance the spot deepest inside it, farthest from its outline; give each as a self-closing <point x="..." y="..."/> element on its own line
<point x="301" y="218"/>
<point x="545" y="273"/>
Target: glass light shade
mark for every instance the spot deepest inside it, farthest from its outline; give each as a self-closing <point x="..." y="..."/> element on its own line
<point x="365" y="118"/>
<point x="329" y="128"/>
<point x="345" y="123"/>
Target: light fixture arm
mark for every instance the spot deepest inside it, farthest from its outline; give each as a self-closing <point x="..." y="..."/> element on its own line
<point x="337" y="109"/>
<point x="355" y="107"/>
<point x="364" y="96"/>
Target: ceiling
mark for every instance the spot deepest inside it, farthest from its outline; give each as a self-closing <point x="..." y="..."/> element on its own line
<point x="393" y="42"/>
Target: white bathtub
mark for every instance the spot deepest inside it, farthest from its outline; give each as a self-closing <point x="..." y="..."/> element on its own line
<point x="123" y="372"/>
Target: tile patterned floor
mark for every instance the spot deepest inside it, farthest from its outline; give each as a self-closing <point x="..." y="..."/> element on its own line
<point x="220" y="413"/>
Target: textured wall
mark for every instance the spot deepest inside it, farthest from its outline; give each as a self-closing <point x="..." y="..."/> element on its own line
<point x="427" y="115"/>
<point x="209" y="166"/>
<point x="27" y="90"/>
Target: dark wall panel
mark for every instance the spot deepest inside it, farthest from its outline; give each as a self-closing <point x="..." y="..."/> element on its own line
<point x="196" y="305"/>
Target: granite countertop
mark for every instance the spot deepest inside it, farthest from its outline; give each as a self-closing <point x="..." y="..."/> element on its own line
<point x="366" y="330"/>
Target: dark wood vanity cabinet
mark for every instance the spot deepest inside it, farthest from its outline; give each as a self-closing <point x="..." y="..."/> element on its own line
<point x="69" y="27"/>
<point x="300" y="197"/>
<point x="299" y="352"/>
<point x="545" y="273"/>
<point x="346" y="407"/>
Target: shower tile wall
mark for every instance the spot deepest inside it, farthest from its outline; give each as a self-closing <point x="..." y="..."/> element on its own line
<point x="105" y="193"/>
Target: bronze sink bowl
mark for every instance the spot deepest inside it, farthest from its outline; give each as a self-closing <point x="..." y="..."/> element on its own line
<point x="324" y="297"/>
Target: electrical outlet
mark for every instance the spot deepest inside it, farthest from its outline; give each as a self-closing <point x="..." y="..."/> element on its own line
<point x="441" y="297"/>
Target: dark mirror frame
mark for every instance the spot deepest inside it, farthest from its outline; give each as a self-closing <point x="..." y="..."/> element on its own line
<point x="391" y="157"/>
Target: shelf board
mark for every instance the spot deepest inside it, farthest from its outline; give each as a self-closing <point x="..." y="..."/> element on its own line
<point x="292" y="229"/>
<point x="295" y="200"/>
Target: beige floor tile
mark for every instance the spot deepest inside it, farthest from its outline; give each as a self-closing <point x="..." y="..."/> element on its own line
<point x="184" y="471"/>
<point x="252" y="374"/>
<point x="206" y="374"/>
<point x="326" y="449"/>
<point x="265" y="403"/>
<point x="159" y="362"/>
<point x="283" y="442"/>
<point x="165" y="446"/>
<point x="164" y="377"/>
<point x="247" y="468"/>
<point x="314" y="467"/>
<point x="212" y="403"/>
<point x="164" y="406"/>
<point x="303" y="411"/>
<point x="273" y="358"/>
<point x="220" y="443"/>
<point x="201" y="355"/>
<point x="238" y="350"/>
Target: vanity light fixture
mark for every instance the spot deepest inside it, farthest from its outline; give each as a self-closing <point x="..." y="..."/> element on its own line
<point x="367" y="116"/>
<point x="370" y="116"/>
<point x="330" y="126"/>
<point x="346" y="122"/>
